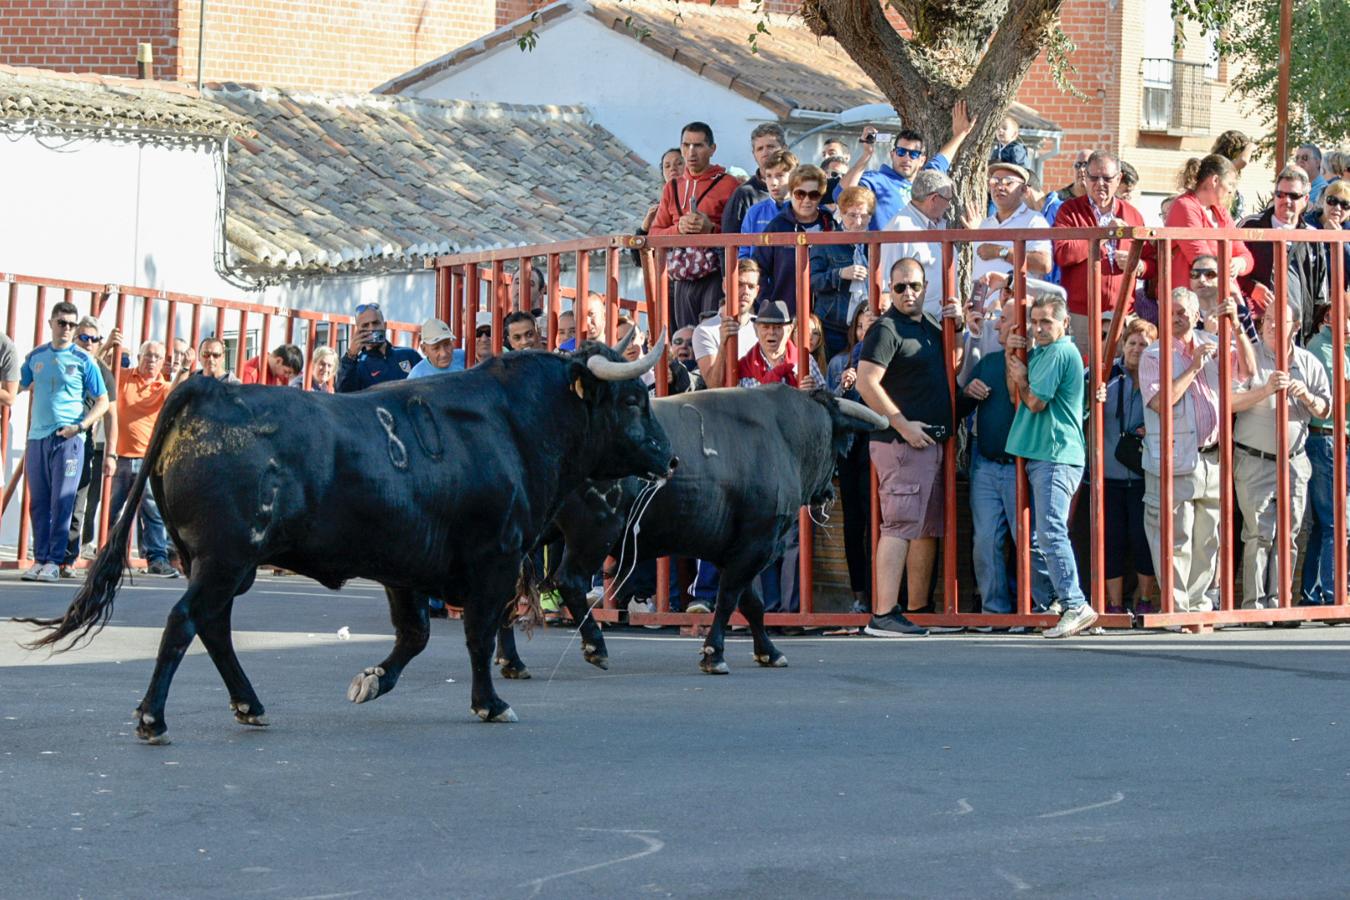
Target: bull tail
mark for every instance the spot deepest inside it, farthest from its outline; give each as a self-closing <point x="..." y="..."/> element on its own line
<point x="527" y="590"/>
<point x="92" y="606"/>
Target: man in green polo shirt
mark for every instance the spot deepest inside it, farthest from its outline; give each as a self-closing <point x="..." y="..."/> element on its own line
<point x="1319" y="565"/>
<point x="1048" y="433"/>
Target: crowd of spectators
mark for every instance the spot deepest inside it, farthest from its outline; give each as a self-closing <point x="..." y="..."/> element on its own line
<point x="1021" y="390"/>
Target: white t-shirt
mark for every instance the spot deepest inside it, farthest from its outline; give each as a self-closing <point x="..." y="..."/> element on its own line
<point x="708" y="336"/>
<point x="928" y="255"/>
<point x="1025" y="217"/>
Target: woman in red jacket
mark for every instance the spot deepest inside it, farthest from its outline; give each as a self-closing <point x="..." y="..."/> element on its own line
<point x="1206" y="206"/>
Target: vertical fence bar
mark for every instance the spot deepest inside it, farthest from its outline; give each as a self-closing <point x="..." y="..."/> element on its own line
<point x="290" y="330"/>
<point x="612" y="298"/>
<point x="1166" y="514"/>
<point x="264" y="349"/>
<point x="1338" y="399"/>
<point x="1099" y="362"/>
<point x="732" y="264"/>
<point x="1023" y="528"/>
<point x="554" y="298"/>
<point x="5" y="412"/>
<point x="662" y="387"/>
<point x="500" y="298"/>
<point x="241" y="348"/>
<point x="147" y="314"/>
<point x="39" y="314"/>
<point x="579" y="298"/>
<point x="312" y="338"/>
<point x="195" y="335"/>
<point x="873" y="485"/>
<point x="805" y="535"/>
<point x="104" y="508"/>
<point x="456" y="320"/>
<point x="950" y="589"/>
<point x="1284" y="533"/>
<point x="471" y="316"/>
<point x="1226" y="478"/>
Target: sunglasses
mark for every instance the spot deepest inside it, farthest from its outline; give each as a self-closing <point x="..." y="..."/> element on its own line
<point x="215" y="355"/>
<point x="1336" y="202"/>
<point x="901" y="287"/>
<point x="806" y="195"/>
<point x="483" y="332"/>
<point x="89" y="338"/>
<point x="911" y="152"/>
<point x="1289" y="195"/>
<point x="64" y="323"/>
<point x="365" y="306"/>
<point x="1205" y="274"/>
<point x="1103" y="179"/>
<point x="1007" y="181"/>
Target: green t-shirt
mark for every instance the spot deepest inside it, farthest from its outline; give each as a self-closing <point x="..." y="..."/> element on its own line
<point x="1055" y="434"/>
<point x="1323" y="347"/>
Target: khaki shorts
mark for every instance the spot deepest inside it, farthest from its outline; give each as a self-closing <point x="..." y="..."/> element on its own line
<point x="909" y="485"/>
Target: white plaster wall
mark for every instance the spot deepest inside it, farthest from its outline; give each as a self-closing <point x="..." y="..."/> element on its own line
<point x="640" y="96"/>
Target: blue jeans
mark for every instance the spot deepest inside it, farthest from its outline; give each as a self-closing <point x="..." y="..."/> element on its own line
<point x="1052" y="489"/>
<point x="993" y="510"/>
<point x="53" y="465"/>
<point x="1319" y="564"/>
<point x="151" y="527"/>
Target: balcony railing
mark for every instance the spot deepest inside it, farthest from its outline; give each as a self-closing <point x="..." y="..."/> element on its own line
<point x="1176" y="96"/>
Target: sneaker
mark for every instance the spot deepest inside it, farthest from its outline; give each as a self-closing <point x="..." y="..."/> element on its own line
<point x="89" y="551"/>
<point x="161" y="569"/>
<point x="1072" y="622"/>
<point x="550" y="601"/>
<point x="698" y="606"/>
<point x="595" y="595"/>
<point x="51" y="573"/>
<point x="69" y="572"/>
<point x="893" y="625"/>
<point x="33" y="573"/>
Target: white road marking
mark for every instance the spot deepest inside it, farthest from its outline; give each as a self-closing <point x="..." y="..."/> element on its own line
<point x="1077" y="809"/>
<point x="1017" y="883"/>
<point x="963" y="807"/>
<point x="653" y="845"/>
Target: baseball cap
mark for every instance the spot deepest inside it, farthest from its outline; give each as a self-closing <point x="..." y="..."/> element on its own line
<point x="434" y="331"/>
<point x="482" y="320"/>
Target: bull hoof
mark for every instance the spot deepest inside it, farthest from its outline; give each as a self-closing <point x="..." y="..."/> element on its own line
<point x="149" y="729"/>
<point x="595" y="657"/>
<point x="243" y="716"/>
<point x="718" y="667"/>
<point x="365" y="686"/>
<point x="507" y="714"/>
<point x="773" y="660"/>
<point x="516" y="671"/>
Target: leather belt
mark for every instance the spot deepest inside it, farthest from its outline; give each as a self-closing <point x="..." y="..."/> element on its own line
<point x="1261" y="454"/>
<point x="1322" y="429"/>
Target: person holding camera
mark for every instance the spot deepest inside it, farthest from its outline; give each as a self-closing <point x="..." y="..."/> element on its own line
<point x="370" y="358"/>
<point x="1047" y="432"/>
<point x="902" y="375"/>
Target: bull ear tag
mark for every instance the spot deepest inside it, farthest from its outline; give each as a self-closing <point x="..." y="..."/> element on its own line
<point x="576" y="386"/>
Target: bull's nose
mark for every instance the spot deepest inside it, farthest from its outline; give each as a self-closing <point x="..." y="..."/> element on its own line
<point x="674" y="463"/>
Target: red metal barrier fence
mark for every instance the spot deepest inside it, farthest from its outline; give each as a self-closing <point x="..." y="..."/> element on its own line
<point x="459" y="279"/>
<point x="160" y="315"/>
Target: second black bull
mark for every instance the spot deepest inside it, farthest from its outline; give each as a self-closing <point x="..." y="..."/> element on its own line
<point x="750" y="459"/>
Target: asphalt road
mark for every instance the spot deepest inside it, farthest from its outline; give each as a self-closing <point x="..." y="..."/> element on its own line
<point x="1128" y="765"/>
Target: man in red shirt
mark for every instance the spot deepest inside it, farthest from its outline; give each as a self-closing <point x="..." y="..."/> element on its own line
<point x="693" y="204"/>
<point x="283" y="365"/>
<point x="1098" y="208"/>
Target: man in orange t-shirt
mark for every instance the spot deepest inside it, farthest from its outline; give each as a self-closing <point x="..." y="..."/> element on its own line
<point x="140" y="397"/>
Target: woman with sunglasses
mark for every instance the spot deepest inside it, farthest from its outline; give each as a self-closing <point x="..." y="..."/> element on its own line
<point x="839" y="271"/>
<point x="777" y="265"/>
<point x="1335" y="216"/>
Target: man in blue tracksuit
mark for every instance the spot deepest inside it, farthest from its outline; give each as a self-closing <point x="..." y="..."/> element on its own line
<point x="370" y="358"/>
<point x="60" y="376"/>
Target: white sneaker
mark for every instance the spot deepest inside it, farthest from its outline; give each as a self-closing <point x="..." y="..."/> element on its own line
<point x="698" y="606"/>
<point x="643" y="606"/>
<point x="595" y="595"/>
<point x="1072" y="622"/>
<point x="89" y="551"/>
<point x="33" y="573"/>
<point x="50" y="573"/>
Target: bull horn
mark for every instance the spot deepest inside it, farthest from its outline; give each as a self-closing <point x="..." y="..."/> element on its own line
<point x="867" y="414"/>
<point x="627" y="339"/>
<point x="609" y="370"/>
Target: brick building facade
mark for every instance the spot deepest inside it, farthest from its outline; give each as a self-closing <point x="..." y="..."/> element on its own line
<point x="332" y="45"/>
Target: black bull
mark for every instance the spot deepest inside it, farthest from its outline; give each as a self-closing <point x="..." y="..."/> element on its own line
<point x="749" y="460"/>
<point x="439" y="486"/>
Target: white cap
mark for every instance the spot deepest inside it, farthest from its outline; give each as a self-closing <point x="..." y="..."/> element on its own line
<point x="434" y="331"/>
<point x="482" y="320"/>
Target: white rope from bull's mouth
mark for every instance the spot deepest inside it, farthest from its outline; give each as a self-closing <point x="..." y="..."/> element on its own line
<point x="632" y="524"/>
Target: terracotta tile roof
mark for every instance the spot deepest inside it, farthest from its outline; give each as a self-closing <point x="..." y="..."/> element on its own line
<point x="360" y="182"/>
<point x="793" y="70"/>
<point x="154" y="110"/>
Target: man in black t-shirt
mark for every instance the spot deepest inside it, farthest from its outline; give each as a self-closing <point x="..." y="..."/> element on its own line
<point x="902" y="374"/>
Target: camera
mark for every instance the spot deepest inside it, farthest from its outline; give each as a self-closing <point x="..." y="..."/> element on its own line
<point x="937" y="432"/>
<point x="883" y="137"/>
<point x="375" y="336"/>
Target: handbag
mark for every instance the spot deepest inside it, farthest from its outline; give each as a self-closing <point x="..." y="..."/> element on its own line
<point x="693" y="263"/>
<point x="1130" y="447"/>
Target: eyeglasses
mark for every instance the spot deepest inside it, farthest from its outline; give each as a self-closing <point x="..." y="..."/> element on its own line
<point x="806" y="195"/>
<point x="217" y="354"/>
<point x="911" y="152"/>
<point x="1103" y="179"/>
<point x="1289" y="195"/>
<point x="483" y="332"/>
<point x="88" y="338"/>
<point x="901" y="287"/>
<point x="1205" y="274"/>
<point x="1007" y="181"/>
<point x="64" y="323"/>
<point x="1336" y="202"/>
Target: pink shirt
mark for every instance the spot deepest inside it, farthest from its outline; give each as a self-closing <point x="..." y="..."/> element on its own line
<point x="1204" y="389"/>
